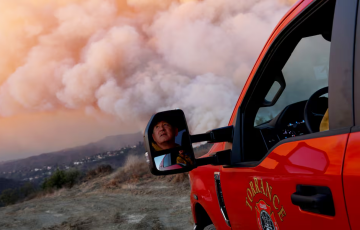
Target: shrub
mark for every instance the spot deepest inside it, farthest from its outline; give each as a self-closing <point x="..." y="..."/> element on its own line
<point x="56" y="180"/>
<point x="9" y="196"/>
<point x="12" y="196"/>
<point x="27" y="189"/>
<point x="61" y="179"/>
<point x="71" y="178"/>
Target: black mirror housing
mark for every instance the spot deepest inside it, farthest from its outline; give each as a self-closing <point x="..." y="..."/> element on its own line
<point x="168" y="144"/>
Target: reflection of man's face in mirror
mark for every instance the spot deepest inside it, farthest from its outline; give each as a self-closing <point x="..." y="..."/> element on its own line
<point x="164" y="135"/>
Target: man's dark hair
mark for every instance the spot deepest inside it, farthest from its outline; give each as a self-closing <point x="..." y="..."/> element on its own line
<point x="162" y="118"/>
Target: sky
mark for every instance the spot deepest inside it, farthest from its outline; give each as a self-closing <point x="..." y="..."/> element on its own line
<point x="75" y="71"/>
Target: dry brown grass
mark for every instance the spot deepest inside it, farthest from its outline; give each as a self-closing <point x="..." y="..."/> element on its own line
<point x="134" y="170"/>
<point x="41" y="194"/>
<point x="178" y="178"/>
<point x="101" y="170"/>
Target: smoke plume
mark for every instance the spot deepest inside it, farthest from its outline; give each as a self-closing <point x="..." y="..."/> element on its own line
<point x="127" y="59"/>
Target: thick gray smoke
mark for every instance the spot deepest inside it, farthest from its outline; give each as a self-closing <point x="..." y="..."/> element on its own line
<point x="130" y="59"/>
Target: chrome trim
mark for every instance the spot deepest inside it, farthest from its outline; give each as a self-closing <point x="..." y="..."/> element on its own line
<point x="218" y="189"/>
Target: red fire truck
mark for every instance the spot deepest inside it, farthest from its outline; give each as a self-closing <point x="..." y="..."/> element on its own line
<point x="290" y="155"/>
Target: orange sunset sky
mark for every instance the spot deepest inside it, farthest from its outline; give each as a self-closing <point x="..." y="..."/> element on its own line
<point x="75" y="71"/>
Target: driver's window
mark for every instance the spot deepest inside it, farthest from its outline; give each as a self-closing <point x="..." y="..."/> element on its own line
<point x="305" y="72"/>
<point x="299" y="61"/>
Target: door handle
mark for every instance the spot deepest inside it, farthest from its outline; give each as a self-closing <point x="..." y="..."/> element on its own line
<point x="317" y="199"/>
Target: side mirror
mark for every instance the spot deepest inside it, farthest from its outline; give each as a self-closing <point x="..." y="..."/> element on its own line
<point x="169" y="144"/>
<point x="167" y="141"/>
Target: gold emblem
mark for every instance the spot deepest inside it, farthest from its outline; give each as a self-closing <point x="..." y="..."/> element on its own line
<point x="260" y="186"/>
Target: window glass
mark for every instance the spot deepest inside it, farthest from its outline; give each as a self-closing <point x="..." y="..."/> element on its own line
<point x="305" y="72"/>
<point x="167" y="160"/>
<point x="272" y="92"/>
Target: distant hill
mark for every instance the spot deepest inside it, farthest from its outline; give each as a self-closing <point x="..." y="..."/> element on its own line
<point x="67" y="156"/>
<point x="119" y="141"/>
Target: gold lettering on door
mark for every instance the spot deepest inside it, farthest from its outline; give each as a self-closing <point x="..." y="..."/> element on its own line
<point x="282" y="213"/>
<point x="260" y="186"/>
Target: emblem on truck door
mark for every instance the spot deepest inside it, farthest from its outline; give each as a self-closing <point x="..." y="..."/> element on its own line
<point x="257" y="193"/>
<point x="265" y="218"/>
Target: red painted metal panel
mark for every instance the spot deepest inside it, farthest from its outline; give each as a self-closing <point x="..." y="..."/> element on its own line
<point x="351" y="177"/>
<point x="203" y="186"/>
<point x="316" y="162"/>
<point x="277" y="176"/>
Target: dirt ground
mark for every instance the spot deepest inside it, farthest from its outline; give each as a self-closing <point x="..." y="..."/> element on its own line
<point x="154" y="204"/>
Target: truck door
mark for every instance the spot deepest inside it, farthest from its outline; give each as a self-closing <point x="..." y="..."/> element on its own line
<point x="293" y="124"/>
<point x="351" y="177"/>
<point x="351" y="173"/>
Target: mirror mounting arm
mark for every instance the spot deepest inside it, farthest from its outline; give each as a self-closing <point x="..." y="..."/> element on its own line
<point x="224" y="134"/>
<point x="200" y="137"/>
<point x="218" y="158"/>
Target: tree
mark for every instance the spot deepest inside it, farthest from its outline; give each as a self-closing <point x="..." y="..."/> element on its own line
<point x="9" y="196"/>
<point x="27" y="189"/>
<point x="57" y="180"/>
<point x="60" y="179"/>
<point x="71" y="177"/>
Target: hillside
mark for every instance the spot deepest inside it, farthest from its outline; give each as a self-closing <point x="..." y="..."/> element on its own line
<point x="8" y="183"/>
<point x="153" y="203"/>
<point x="67" y="156"/>
<point x="127" y="198"/>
